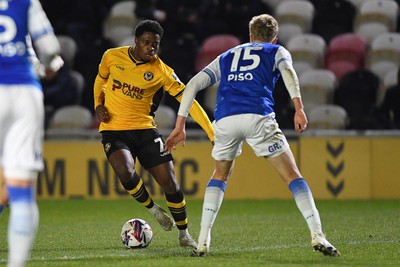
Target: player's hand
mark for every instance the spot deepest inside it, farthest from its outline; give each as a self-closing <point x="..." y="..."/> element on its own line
<point x="176" y="137"/>
<point x="55" y="65"/>
<point x="3" y="190"/>
<point x="300" y="121"/>
<point x="102" y="113"/>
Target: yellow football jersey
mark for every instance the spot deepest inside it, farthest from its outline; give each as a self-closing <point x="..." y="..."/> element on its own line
<point x="132" y="91"/>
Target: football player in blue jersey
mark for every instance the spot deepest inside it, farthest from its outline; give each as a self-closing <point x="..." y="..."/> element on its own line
<point x="244" y="111"/>
<point x="22" y="116"/>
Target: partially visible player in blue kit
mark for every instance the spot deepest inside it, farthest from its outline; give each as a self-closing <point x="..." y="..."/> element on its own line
<point x="22" y="116"/>
<point x="245" y="112"/>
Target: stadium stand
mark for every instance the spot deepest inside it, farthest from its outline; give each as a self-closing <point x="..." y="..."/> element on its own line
<point x="294" y="17"/>
<point x="357" y="94"/>
<point x="376" y="17"/>
<point x="317" y="88"/>
<point x="328" y="116"/>
<point x="308" y="51"/>
<point x="96" y="26"/>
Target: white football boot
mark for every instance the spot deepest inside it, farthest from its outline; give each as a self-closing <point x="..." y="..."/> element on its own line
<point x="319" y="243"/>
<point x="203" y="247"/>
<point x="185" y="239"/>
<point x="165" y="221"/>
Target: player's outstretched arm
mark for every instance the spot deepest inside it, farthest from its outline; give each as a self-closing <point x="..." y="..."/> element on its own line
<point x="178" y="135"/>
<point x="189" y="104"/>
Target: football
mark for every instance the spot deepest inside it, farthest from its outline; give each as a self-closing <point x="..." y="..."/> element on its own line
<point x="136" y="233"/>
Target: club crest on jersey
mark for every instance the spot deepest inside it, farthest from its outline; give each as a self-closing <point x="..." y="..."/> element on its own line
<point x="148" y="76"/>
<point x="107" y="147"/>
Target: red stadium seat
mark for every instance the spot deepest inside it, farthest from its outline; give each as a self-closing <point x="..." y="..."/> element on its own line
<point x="347" y="47"/>
<point x="212" y="47"/>
<point x="341" y="67"/>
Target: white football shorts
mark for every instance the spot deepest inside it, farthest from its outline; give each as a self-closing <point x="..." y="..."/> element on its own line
<point x="21" y="131"/>
<point x="262" y="133"/>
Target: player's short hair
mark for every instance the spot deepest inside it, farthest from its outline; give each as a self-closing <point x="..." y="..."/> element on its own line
<point x="148" y="26"/>
<point x="264" y="27"/>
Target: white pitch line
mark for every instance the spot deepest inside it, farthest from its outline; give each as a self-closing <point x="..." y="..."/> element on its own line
<point x="125" y="255"/>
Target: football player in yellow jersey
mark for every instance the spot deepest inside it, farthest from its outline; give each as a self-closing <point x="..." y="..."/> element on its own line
<point x="127" y="91"/>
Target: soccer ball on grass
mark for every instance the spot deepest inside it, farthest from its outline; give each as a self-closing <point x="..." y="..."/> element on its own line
<point x="136" y="233"/>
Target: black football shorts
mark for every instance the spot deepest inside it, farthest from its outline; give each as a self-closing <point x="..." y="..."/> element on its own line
<point x="146" y="145"/>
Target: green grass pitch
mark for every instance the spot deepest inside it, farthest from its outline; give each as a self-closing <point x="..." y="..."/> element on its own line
<point x="246" y="233"/>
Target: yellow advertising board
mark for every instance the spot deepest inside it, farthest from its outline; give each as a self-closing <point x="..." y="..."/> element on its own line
<point x="337" y="167"/>
<point x="385" y="170"/>
<point x="80" y="170"/>
<point x="254" y="178"/>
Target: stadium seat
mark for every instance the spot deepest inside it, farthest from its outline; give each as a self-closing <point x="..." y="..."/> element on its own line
<point x="212" y="47"/>
<point x="388" y="8"/>
<point x="123" y="8"/>
<point x="389" y="80"/>
<point x="317" y="87"/>
<point x="371" y="25"/>
<point x="118" y="28"/>
<point x="294" y="17"/>
<point x="80" y="84"/>
<point x="333" y="17"/>
<point x="165" y="117"/>
<point x="356" y="3"/>
<point x="308" y="51"/>
<point x="347" y="47"/>
<point x="328" y="116"/>
<point x="127" y="41"/>
<point x="341" y="67"/>
<point x="384" y="54"/>
<point x="71" y="117"/>
<point x="69" y="48"/>
<point x="357" y="94"/>
<point x="376" y="17"/>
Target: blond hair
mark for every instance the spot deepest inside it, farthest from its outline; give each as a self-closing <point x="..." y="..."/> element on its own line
<point x="264" y="27"/>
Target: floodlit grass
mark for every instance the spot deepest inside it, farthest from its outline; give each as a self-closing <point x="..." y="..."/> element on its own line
<point x="246" y="233"/>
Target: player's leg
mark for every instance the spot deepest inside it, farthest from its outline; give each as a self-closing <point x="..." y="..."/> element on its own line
<point x="23" y="220"/>
<point x="227" y="146"/>
<point x="165" y="176"/>
<point x="123" y="165"/>
<point x="3" y="192"/>
<point x="286" y="166"/>
<point x="213" y="198"/>
<point x="22" y="160"/>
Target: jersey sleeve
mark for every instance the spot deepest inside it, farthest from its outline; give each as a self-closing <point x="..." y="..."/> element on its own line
<point x="214" y="71"/>
<point x="101" y="81"/>
<point x="199" y="82"/>
<point x="201" y="117"/>
<point x="283" y="60"/>
<point x="42" y="34"/>
<point x="175" y="87"/>
<point x="38" y="23"/>
<point x="172" y="84"/>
